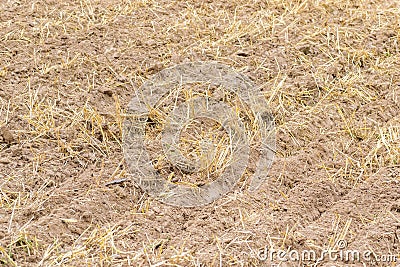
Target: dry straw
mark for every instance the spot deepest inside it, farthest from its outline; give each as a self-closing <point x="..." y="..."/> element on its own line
<point x="197" y="121"/>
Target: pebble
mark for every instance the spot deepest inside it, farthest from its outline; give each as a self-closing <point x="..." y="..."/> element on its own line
<point x="8" y="137"/>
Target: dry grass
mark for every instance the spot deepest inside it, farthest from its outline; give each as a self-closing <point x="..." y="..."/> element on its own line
<point x="328" y="69"/>
<point x="197" y="135"/>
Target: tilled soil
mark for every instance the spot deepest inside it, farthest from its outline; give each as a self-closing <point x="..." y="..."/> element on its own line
<point x="330" y="74"/>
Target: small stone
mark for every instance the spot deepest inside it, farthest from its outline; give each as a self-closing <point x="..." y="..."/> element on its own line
<point x="4" y="161"/>
<point x="8" y="137"/>
<point x="155" y="68"/>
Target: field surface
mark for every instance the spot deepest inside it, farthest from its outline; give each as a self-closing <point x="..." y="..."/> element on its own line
<point x="329" y="71"/>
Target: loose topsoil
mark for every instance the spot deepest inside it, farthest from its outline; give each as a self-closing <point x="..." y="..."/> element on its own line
<point x="329" y="71"/>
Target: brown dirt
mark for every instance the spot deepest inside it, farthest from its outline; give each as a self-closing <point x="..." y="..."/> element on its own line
<point x="330" y="73"/>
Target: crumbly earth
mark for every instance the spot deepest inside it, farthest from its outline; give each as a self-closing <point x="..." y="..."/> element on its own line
<point x="330" y="71"/>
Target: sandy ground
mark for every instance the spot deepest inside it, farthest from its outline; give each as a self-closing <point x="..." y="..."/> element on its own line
<point x="330" y="73"/>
